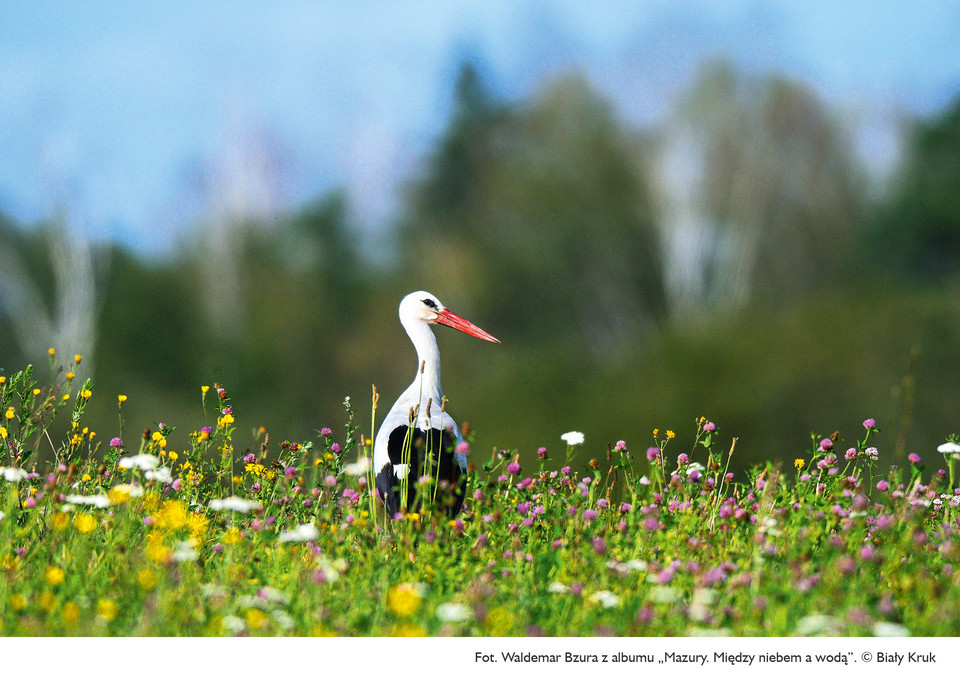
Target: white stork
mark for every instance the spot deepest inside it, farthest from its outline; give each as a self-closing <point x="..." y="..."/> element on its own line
<point x="416" y="433"/>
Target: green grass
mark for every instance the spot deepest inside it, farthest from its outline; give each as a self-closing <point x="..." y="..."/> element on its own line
<point x="633" y="546"/>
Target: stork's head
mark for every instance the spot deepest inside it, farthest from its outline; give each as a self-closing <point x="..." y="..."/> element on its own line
<point x="422" y="306"/>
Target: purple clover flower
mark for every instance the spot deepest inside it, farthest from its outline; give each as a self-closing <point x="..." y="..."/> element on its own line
<point x="116" y="442"/>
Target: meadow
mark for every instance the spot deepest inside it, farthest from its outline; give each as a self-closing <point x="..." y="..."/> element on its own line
<point x="216" y="529"/>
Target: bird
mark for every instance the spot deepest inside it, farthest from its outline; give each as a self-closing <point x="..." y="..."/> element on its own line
<point x="417" y="432"/>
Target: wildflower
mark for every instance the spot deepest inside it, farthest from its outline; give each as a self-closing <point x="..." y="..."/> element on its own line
<point x="403" y="600"/>
<point x="542" y="453"/>
<point x="51" y="351"/>
<point x="116" y="442"/>
<point x="870" y="424"/>
<point x="99" y="501"/>
<point x="70" y="612"/>
<point x="873" y="453"/>
<point x="144" y="462"/>
<point x="513" y="467"/>
<point x="826" y="445"/>
<point x="161" y="475"/>
<point x="10" y="413"/>
<point x="850" y="454"/>
<point x="147" y="578"/>
<point x="653" y="453"/>
<point x="950" y="449"/>
<point x="589" y="514"/>
<point x="573" y="438"/>
<point x="54" y="575"/>
<point x="671" y="435"/>
<point x="301" y="533"/>
<point x="225" y="420"/>
<point x="13" y="475"/>
<point x="238" y="504"/>
<point x="604" y="598"/>
<point x="914" y="458"/>
<point x="85" y="523"/>
<point x="86" y="393"/>
<point x="106" y="609"/>
<point x="47" y="601"/>
<point x="3" y="433"/>
<point x="173" y="515"/>
<point x="452" y="613"/>
<point x="233" y="536"/>
<point x="885" y="629"/>
<point x="709" y="427"/>
<point x="204" y="389"/>
<point x="358" y="468"/>
<point x="799" y="463"/>
<point x="883" y="485"/>
<point x="621" y="446"/>
<point x="185" y="551"/>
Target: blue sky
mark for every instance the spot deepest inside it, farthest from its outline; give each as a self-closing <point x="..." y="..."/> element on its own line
<point x="112" y="111"/>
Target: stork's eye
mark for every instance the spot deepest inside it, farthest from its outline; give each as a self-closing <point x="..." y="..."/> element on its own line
<point x="430" y="303"/>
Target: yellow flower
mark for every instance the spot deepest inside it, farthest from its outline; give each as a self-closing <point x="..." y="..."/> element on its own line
<point x="255" y="618"/>
<point x="51" y="351"/>
<point x="71" y="375"/>
<point x="9" y="563"/>
<point x="107" y="609"/>
<point x="47" y="601"/>
<point x="3" y="379"/>
<point x="173" y="456"/>
<point x="66" y="397"/>
<point x="225" y="420"/>
<point x="118" y="496"/>
<point x="54" y="575"/>
<point x="799" y="463"/>
<point x="36" y="391"/>
<point x="71" y="612"/>
<point x="159" y="553"/>
<point x="86" y="476"/>
<point x="3" y="433"/>
<point x="671" y="435"/>
<point x="147" y="578"/>
<point x="85" y="523"/>
<point x="197" y="523"/>
<point x="10" y="413"/>
<point x="77" y="358"/>
<point x="403" y="600"/>
<point x="173" y="515"/>
<point x="408" y="630"/>
<point x="232" y="536"/>
<point x="121" y="398"/>
<point x="18" y="602"/>
<point x="86" y="394"/>
<point x="60" y="520"/>
<point x="204" y="389"/>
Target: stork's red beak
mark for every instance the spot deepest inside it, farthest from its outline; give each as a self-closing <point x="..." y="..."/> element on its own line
<point x="448" y="318"/>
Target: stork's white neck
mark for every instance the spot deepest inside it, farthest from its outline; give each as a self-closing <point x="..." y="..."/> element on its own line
<point x="428" y="359"/>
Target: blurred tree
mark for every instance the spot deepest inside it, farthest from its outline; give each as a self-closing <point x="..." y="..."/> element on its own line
<point x="916" y="227"/>
<point x="48" y="289"/>
<point x="759" y="192"/>
<point x="540" y="212"/>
